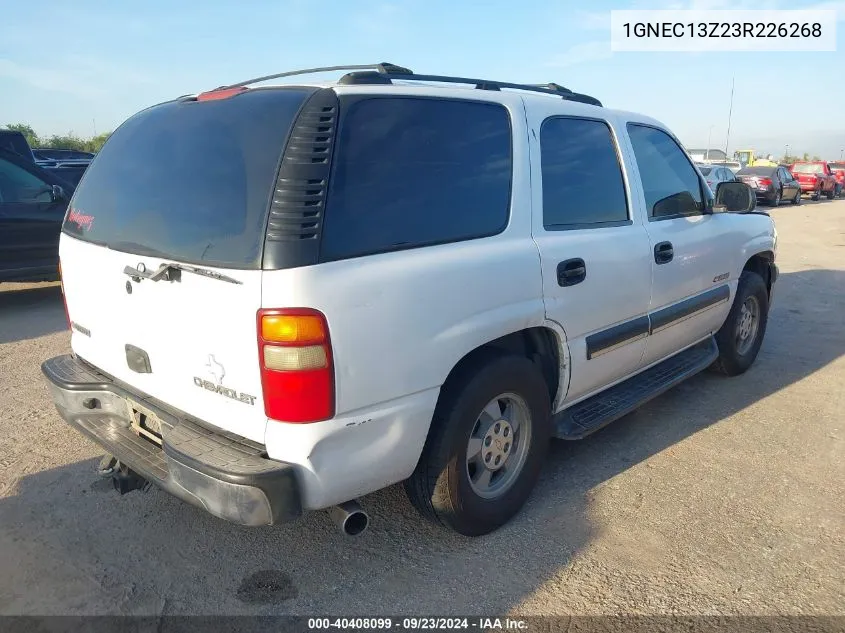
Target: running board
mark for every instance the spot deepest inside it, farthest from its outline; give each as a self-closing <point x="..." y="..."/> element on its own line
<point x="596" y="412"/>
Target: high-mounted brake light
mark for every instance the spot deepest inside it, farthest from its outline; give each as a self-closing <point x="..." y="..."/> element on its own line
<point x="220" y="93"/>
<point x="297" y="374"/>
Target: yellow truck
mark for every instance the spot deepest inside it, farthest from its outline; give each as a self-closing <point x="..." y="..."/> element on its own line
<point x="749" y="158"/>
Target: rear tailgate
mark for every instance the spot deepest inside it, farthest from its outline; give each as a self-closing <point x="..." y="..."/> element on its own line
<point x="185" y="183"/>
<point x="198" y="333"/>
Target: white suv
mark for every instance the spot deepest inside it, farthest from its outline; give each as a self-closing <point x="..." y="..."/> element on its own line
<point x="284" y="298"/>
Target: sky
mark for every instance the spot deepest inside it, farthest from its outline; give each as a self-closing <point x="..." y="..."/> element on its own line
<point x="85" y="66"/>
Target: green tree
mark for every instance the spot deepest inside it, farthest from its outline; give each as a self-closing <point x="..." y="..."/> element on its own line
<point x="65" y="141"/>
<point x="60" y="141"/>
<point x="27" y="131"/>
<point x="806" y="156"/>
<point x="816" y="157"/>
<point x="96" y="144"/>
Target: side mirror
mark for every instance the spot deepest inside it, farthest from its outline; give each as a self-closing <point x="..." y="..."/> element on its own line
<point x="735" y="197"/>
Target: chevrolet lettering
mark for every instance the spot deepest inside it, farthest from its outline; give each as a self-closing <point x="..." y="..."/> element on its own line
<point x="224" y="391"/>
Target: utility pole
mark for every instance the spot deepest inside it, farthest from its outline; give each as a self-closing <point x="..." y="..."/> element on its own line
<point x="730" y="113"/>
<point x="709" y="136"/>
<point x="787" y="152"/>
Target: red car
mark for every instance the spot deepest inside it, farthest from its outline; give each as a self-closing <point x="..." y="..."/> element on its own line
<point x="838" y="170"/>
<point x="815" y="178"/>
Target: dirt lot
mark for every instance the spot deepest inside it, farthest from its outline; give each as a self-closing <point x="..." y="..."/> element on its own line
<point x="723" y="496"/>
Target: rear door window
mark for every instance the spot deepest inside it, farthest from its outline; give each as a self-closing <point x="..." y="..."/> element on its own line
<point x="582" y="177"/>
<point x="412" y="172"/>
<point x="189" y="181"/>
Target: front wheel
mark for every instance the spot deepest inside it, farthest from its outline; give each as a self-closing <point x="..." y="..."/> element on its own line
<point x="487" y="443"/>
<point x="741" y="335"/>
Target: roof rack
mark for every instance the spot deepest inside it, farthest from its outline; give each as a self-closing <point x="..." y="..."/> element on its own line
<point x="386" y="73"/>
<point x="383" y="68"/>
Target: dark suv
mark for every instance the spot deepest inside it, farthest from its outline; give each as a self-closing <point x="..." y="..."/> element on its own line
<point x="33" y="202"/>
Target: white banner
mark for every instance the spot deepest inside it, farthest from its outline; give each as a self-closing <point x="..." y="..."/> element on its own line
<point x="723" y="30"/>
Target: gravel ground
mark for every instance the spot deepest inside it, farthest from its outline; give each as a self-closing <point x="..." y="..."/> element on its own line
<point x="723" y="496"/>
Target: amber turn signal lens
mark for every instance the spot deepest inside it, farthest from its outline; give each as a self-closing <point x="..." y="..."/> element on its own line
<point x="291" y="328"/>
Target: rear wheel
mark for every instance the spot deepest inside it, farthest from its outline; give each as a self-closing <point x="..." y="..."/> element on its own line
<point x="487" y="442"/>
<point x="817" y="194"/>
<point x="776" y="200"/>
<point x="830" y="195"/>
<point x="740" y="337"/>
<point x="797" y="198"/>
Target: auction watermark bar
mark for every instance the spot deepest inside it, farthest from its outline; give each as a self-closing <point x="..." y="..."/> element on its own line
<point x="730" y="30"/>
<point x="487" y="624"/>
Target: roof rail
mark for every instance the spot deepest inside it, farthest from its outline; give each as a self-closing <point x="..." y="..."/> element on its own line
<point x="385" y="72"/>
<point x="382" y="68"/>
<point x="396" y="73"/>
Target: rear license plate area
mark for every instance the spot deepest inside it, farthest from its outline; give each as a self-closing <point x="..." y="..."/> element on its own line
<point x="144" y="422"/>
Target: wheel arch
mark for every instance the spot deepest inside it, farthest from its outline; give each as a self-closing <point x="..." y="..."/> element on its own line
<point x="545" y="345"/>
<point x="761" y="263"/>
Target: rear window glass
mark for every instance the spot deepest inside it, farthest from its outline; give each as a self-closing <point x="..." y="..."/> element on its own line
<point x="411" y="172"/>
<point x="808" y="168"/>
<point x="705" y="171"/>
<point x="756" y="171"/>
<point x="188" y="181"/>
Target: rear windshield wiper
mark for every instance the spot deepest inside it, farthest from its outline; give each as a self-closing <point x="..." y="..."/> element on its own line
<point x="169" y="272"/>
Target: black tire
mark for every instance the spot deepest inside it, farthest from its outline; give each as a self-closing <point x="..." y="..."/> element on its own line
<point x="776" y="201"/>
<point x="830" y="195"/>
<point x="817" y="195"/>
<point x="797" y="199"/>
<point x="440" y="485"/>
<point x="730" y="361"/>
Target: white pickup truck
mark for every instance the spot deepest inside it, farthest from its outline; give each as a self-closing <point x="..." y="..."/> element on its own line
<point x="284" y="297"/>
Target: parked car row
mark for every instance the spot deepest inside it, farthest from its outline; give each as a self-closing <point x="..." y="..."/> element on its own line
<point x="67" y="164"/>
<point x="780" y="183"/>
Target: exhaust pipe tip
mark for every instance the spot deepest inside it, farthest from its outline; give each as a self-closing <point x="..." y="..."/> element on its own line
<point x="350" y="518"/>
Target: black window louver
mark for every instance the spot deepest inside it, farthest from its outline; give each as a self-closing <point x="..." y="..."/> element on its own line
<point x="297" y="210"/>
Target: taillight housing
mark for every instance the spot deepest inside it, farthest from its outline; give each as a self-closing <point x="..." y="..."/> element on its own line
<point x="765" y="182"/>
<point x="64" y="298"/>
<point x="297" y="371"/>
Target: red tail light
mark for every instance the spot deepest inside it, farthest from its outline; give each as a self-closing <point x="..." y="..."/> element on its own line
<point x="64" y="298"/>
<point x="297" y="372"/>
<point x="765" y="182"/>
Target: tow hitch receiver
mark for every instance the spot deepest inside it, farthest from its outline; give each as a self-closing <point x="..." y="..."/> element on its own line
<point x="124" y="478"/>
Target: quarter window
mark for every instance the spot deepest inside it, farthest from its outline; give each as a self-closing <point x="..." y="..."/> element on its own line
<point x="670" y="184"/>
<point x="582" y="178"/>
<point x="412" y="172"/>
